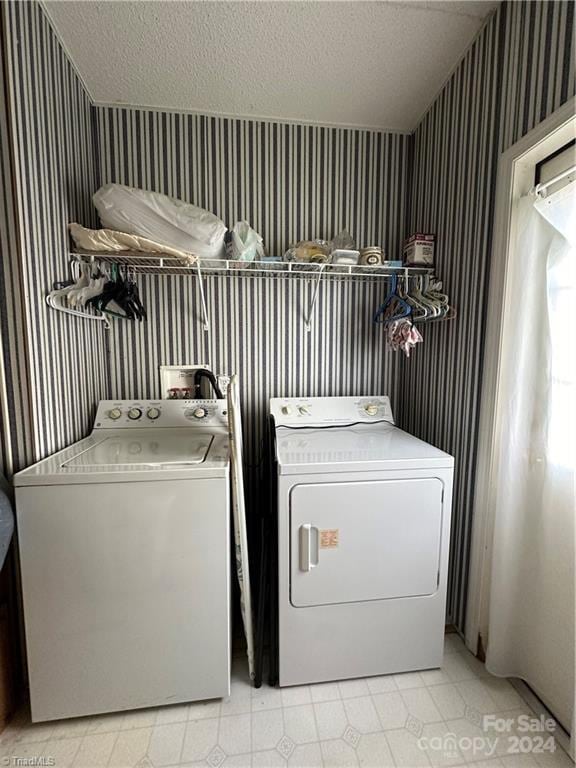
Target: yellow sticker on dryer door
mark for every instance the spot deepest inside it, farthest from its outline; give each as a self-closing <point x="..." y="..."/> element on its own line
<point x="329" y="538"/>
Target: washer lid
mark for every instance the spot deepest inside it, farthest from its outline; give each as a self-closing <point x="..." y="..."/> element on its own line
<point x="134" y="450"/>
<point x="364" y="447"/>
<point x="117" y="456"/>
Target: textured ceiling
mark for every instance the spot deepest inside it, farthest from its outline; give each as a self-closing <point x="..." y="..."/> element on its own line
<point x="370" y="64"/>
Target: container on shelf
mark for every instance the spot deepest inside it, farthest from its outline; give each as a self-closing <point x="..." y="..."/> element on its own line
<point x="419" y="250"/>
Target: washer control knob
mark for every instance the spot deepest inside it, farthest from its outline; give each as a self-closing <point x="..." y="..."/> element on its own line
<point x="153" y="413"/>
<point x="114" y="414"/>
<point x="199" y="413"/>
<point x="134" y="413"/>
<point x="286" y="410"/>
<point x="371" y="409"/>
<point x="303" y="410"/>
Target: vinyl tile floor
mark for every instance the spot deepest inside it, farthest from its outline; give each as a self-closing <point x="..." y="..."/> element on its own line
<point x="444" y="717"/>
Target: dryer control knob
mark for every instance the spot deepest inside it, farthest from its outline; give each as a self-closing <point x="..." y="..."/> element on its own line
<point x="303" y="410"/>
<point x="114" y="414"/>
<point x="371" y="409"/>
<point x="134" y="413"/>
<point x="199" y="413"/>
<point x="286" y="410"/>
<point x="153" y="413"/>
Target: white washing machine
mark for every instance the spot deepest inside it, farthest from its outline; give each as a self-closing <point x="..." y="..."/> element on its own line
<point x="125" y="558"/>
<point x="363" y="536"/>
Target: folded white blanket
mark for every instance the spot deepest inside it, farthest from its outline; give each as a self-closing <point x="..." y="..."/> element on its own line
<point x="109" y="240"/>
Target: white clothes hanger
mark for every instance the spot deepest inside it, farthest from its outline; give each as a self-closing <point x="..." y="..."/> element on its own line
<point x="54" y="302"/>
<point x="60" y="298"/>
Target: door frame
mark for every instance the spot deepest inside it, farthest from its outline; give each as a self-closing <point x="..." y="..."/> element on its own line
<point x="514" y="179"/>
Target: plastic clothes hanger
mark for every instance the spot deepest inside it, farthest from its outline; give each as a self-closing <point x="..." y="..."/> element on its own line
<point x="418" y="303"/>
<point x="58" y="298"/>
<point x="439" y="299"/>
<point x="82" y="282"/>
<point x="62" y="291"/>
<point x="111" y="300"/>
<point x="95" y="287"/>
<point x="392" y="302"/>
<point x="432" y="302"/>
<point x="134" y="298"/>
<point x="120" y="297"/>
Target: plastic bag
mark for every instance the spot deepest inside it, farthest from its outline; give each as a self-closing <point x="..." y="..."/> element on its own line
<point x="244" y="243"/>
<point x="318" y="251"/>
<point x="343" y="242"/>
<point x="309" y="251"/>
<point x="162" y="219"/>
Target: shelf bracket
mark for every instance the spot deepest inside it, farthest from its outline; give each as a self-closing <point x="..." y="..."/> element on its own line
<point x="205" y="321"/>
<point x="308" y="319"/>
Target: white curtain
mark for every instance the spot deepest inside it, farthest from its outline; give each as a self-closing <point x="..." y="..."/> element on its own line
<point x="532" y="596"/>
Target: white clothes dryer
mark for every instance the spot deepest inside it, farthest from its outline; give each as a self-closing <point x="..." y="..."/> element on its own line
<point x="124" y="544"/>
<point x="363" y="512"/>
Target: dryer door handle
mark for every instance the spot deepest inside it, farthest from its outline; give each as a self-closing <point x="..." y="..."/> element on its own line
<point x="308" y="547"/>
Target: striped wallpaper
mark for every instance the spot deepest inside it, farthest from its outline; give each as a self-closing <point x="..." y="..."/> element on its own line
<point x="258" y="332"/>
<point x="55" y="368"/>
<point x="290" y="182"/>
<point x="518" y="71"/>
<point x="537" y="66"/>
<point x="15" y="426"/>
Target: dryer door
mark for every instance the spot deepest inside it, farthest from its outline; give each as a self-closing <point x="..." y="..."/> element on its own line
<point x="358" y="541"/>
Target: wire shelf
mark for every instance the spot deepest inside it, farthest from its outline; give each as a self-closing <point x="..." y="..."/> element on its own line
<point x="166" y="264"/>
<point x="160" y="264"/>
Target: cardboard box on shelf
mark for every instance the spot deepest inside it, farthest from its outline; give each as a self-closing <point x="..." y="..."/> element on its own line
<point x="419" y="250"/>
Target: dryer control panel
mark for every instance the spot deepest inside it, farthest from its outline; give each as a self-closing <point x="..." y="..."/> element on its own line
<point x="318" y="411"/>
<point x="153" y="414"/>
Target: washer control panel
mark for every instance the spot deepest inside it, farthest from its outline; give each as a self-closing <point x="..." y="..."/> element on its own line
<point x="316" y="411"/>
<point x="134" y="414"/>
